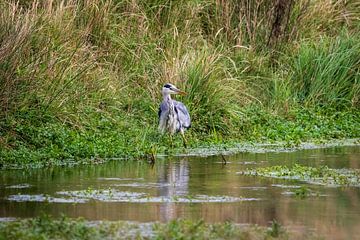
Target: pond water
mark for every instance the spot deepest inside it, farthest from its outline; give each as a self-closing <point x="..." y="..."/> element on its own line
<point x="192" y="188"/>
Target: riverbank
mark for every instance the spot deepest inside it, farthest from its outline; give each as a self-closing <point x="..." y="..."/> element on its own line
<point x="52" y="143"/>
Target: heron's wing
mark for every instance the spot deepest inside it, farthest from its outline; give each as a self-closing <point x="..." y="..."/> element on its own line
<point x="163" y="113"/>
<point x="163" y="108"/>
<point x="183" y="114"/>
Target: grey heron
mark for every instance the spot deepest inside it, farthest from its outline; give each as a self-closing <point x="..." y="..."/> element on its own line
<point x="173" y="115"/>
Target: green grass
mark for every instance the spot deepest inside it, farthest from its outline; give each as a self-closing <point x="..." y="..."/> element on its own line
<point x="300" y="125"/>
<point x="39" y="143"/>
<point x="328" y="73"/>
<point x="81" y="81"/>
<point x="64" y="228"/>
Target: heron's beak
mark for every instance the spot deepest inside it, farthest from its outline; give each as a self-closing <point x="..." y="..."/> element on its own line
<point x="178" y="91"/>
<point x="181" y="92"/>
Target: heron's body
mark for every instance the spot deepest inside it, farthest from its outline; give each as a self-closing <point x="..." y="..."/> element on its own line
<point x="173" y="115"/>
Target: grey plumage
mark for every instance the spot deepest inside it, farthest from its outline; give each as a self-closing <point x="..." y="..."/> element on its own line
<point x="173" y="115"/>
<point x="182" y="116"/>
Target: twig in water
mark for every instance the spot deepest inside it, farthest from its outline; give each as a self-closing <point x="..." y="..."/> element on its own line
<point x="223" y="159"/>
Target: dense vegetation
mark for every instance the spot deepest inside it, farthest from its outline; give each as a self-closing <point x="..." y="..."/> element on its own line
<point x="82" y="79"/>
<point x="64" y="228"/>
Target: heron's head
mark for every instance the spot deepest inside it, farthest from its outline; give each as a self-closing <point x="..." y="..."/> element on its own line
<point x="168" y="88"/>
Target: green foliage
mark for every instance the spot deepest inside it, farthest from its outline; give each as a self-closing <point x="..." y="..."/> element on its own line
<point x="81" y="80"/>
<point x="41" y="140"/>
<point x="47" y="62"/>
<point x="46" y="227"/>
<point x="211" y="95"/>
<point x="328" y="72"/>
<point x="276" y="229"/>
<point x="302" y="192"/>
<point x="300" y="124"/>
<point x="186" y="229"/>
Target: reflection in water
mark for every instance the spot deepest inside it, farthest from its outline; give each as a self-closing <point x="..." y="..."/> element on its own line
<point x="333" y="212"/>
<point x="176" y="179"/>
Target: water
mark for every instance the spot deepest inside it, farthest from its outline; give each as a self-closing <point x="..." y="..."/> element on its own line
<point x="193" y="188"/>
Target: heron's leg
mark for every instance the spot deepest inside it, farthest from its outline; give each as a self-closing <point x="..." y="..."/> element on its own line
<point x="184" y="139"/>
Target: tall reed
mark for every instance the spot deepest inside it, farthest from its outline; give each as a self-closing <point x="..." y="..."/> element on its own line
<point x="328" y="72"/>
<point x="48" y="59"/>
<point x="69" y="58"/>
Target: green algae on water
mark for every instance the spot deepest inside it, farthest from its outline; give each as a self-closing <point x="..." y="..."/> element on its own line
<point x="321" y="175"/>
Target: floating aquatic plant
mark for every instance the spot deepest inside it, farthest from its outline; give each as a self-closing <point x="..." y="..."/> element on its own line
<point x="320" y="175"/>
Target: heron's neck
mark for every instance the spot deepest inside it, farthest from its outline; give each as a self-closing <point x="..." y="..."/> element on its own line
<point x="168" y="100"/>
<point x="166" y="97"/>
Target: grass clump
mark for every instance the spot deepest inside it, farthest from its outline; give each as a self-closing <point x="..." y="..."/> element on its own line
<point x="276" y="229"/>
<point x="328" y="73"/>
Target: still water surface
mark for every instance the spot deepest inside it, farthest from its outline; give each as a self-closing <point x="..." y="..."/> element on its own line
<point x="192" y="188"/>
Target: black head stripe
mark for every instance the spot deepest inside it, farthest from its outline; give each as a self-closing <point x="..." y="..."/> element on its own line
<point x="167" y="86"/>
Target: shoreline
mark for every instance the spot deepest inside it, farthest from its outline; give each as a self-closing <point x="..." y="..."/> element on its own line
<point x="222" y="149"/>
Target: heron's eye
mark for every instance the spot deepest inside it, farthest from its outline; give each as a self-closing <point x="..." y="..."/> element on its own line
<point x="167" y="86"/>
